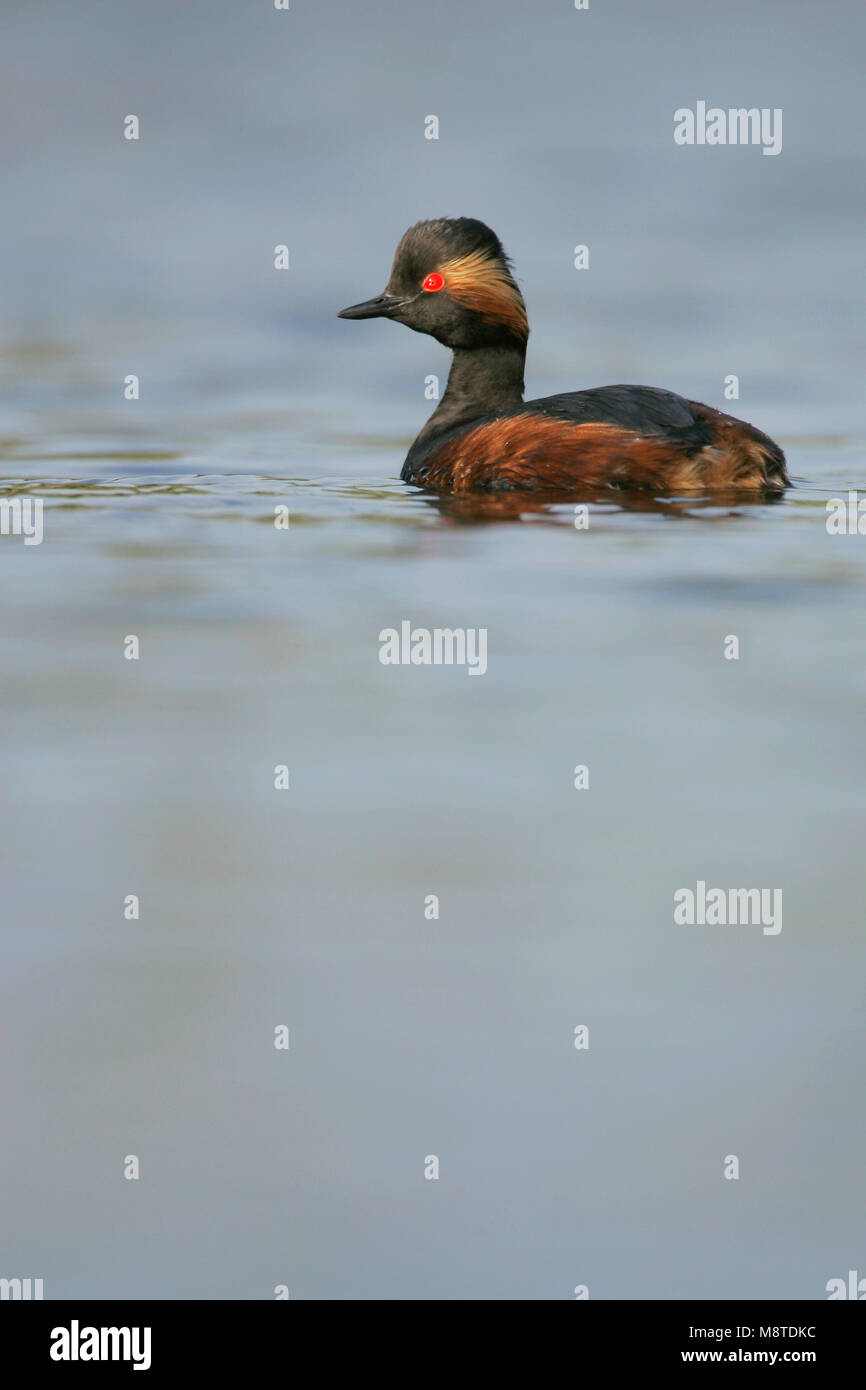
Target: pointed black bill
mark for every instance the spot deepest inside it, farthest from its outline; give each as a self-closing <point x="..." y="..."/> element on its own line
<point x="382" y="307"/>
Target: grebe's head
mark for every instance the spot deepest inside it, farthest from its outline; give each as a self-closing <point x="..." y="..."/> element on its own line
<point x="451" y="279"/>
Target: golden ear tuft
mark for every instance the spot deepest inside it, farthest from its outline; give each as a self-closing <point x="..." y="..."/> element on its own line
<point x="482" y="283"/>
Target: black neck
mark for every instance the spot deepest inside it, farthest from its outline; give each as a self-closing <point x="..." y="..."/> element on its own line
<point x="482" y="381"/>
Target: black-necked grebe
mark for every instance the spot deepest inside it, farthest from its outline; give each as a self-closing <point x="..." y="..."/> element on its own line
<point x="452" y="279"/>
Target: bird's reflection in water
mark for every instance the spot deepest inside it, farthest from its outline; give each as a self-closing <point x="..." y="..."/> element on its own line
<point x="475" y="509"/>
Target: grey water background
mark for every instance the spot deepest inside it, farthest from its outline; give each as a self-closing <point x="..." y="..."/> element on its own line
<point x="410" y="1037"/>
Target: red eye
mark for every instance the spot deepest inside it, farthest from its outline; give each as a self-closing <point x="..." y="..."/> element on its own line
<point x="433" y="282"/>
